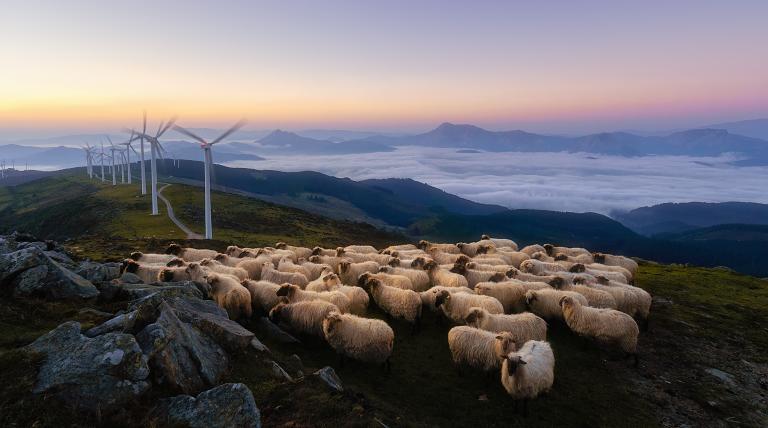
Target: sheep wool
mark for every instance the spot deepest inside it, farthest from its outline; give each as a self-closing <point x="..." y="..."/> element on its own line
<point x="190" y="254"/>
<point x="294" y="293"/>
<point x="440" y="276"/>
<point x="546" y="302"/>
<point x="304" y="317"/>
<point x="228" y="293"/>
<point x="605" y="325"/>
<point x="363" y="339"/>
<point x="510" y="294"/>
<point x="269" y="273"/>
<point x="151" y="258"/>
<point x="523" y="327"/>
<point x="595" y="298"/>
<point x="530" y="371"/>
<point x="456" y="306"/>
<point x="396" y="281"/>
<point x="397" y="302"/>
<point x="428" y="297"/>
<point x="263" y="294"/>
<point x="349" y="271"/>
<point x="475" y="277"/>
<point x="325" y="283"/>
<point x="612" y="260"/>
<point x="500" y="242"/>
<point x="530" y="249"/>
<point x="479" y="348"/>
<point x="419" y="279"/>
<point x="147" y="273"/>
<point x="217" y="267"/>
<point x="537" y="267"/>
<point x="253" y="265"/>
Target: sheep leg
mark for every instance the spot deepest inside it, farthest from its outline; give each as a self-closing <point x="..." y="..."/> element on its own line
<point x="388" y="366"/>
<point x="525" y="407"/>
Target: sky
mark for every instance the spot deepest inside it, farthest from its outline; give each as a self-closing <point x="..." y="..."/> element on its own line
<point x="565" y="67"/>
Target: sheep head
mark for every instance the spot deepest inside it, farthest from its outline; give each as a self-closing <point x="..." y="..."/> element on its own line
<point x="474" y="315"/>
<point x="550" y="249"/>
<point x="602" y="280"/>
<point x="166" y="275"/>
<point x="340" y="251"/>
<point x="363" y="279"/>
<point x="394" y="262"/>
<point x="220" y="257"/>
<point x="577" y="268"/>
<point x="598" y="257"/>
<point x="136" y="255"/>
<point x="331" y="321"/>
<point x="212" y="279"/>
<point x="539" y="255"/>
<point x="566" y="302"/>
<point x="484" y="237"/>
<point x="530" y="297"/>
<point x="462" y="259"/>
<point x="174" y="249"/>
<point x="314" y="259"/>
<point x="418" y="262"/>
<point x="442" y="297"/>
<point x="561" y="257"/>
<point x="497" y="277"/>
<point x="196" y="272"/>
<point x="129" y="266"/>
<point x="504" y="344"/>
<point x="512" y="272"/>
<point x="331" y="279"/>
<point x="423" y="244"/>
<point x="275" y="312"/>
<point x="206" y="262"/>
<point x="285" y="290"/>
<point x="513" y="362"/>
<point x="344" y="266"/>
<point x="557" y="282"/>
<point x="232" y="250"/>
<point x="176" y="262"/>
<point x="484" y="249"/>
<point x="384" y="269"/>
<point x="281" y="245"/>
<point x="527" y="266"/>
<point x="431" y="265"/>
<point x="459" y="268"/>
<point x="246" y="253"/>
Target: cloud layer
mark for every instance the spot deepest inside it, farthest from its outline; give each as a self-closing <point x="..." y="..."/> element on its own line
<point x="552" y="181"/>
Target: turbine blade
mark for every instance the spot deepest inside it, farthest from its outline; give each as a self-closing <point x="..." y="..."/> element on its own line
<point x="189" y="134"/>
<point x="234" y="128"/>
<point x="167" y="125"/>
<point x="145" y="122"/>
<point x="158" y="129"/>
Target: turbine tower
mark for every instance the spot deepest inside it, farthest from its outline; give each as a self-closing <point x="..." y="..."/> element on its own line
<point x="156" y="149"/>
<point x="128" y="149"/>
<point x="208" y="160"/>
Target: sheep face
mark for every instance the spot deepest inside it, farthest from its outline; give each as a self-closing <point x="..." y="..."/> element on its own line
<point x="463" y="260"/>
<point x="530" y="297"/>
<point x="474" y="316"/>
<point x="174" y="249"/>
<point x="314" y="259"/>
<point x="363" y="279"/>
<point x="285" y="290"/>
<point x="246" y="253"/>
<point x="513" y="362"/>
<point x="281" y="245"/>
<point x="484" y="249"/>
<point x="166" y="275"/>
<point x="512" y="272"/>
<point x="422" y="245"/>
<point x="331" y="279"/>
<point x="459" y="268"/>
<point x="344" y="266"/>
<point x="550" y="249"/>
<point x="602" y="280"/>
<point x="566" y="302"/>
<point x="484" y="237"/>
<point x="418" y="262"/>
<point x="220" y="257"/>
<point x="442" y="298"/>
<point x="275" y="313"/>
<point x="538" y="255"/>
<point x="577" y="268"/>
<point x="136" y="255"/>
<point x="129" y="266"/>
<point x="316" y="251"/>
<point x="561" y="257"/>
<point x="394" y="262"/>
<point x="431" y="265"/>
<point x="196" y="272"/>
<point x="526" y="266"/>
<point x="176" y="262"/>
<point x="557" y="283"/>
<point x="497" y="277"/>
<point x="233" y="250"/>
<point x="598" y="257"/>
<point x="331" y="322"/>
<point x="505" y="344"/>
<point x="384" y="269"/>
<point x="340" y="251"/>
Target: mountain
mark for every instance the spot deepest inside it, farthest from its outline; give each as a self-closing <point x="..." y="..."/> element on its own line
<point x="679" y="217"/>
<point x="755" y="128"/>
<point x="290" y="143"/>
<point x="723" y="232"/>
<point x="337" y="135"/>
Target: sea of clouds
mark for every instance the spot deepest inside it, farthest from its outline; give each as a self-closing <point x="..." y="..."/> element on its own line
<point x="554" y="181"/>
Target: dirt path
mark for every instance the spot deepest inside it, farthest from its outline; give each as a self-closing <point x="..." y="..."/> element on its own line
<point x="172" y="216"/>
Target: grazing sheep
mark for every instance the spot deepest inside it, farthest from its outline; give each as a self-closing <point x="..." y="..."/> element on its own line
<point x="269" y="273"/>
<point x="239" y="252"/>
<point x="540" y="268"/>
<point x="357" y="296"/>
<point x="380" y="259"/>
<point x="396" y="302"/>
<point x="635" y="301"/>
<point x="595" y="298"/>
<point x="509" y="294"/>
<point x="331" y="261"/>
<point x="304" y="317"/>
<point x="546" y="302"/>
<point x="440" y="276"/>
<point x="612" y="275"/>
<point x="443" y="248"/>
<point x="320" y="251"/>
<point x="529" y="372"/>
<point x="500" y="242"/>
<point x="475" y="277"/>
<point x="397" y="281"/>
<point x="482" y="266"/>
<point x="229" y="294"/>
<point x="217" y="267"/>
<point x="363" y="339"/>
<point x="605" y="325"/>
<point x="349" y="271"/>
<point x="530" y="249"/>
<point x="523" y="327"/>
<point x="287" y="265"/>
<point x="253" y="265"/>
<point x="401" y="247"/>
<point x="552" y="251"/>
<point x="516" y="274"/>
<point x="316" y="270"/>
<point x="599" y="268"/>
<point x="263" y="294"/>
<point x="428" y="297"/>
<point x="477" y="348"/>
<point x="295" y="294"/>
<point x="276" y="255"/>
<point x="227" y="260"/>
<point x="300" y="252"/>
<point x="611" y="260"/>
<point x="456" y="306"/>
<point x="190" y="254"/>
<point x="362" y="249"/>
<point x="326" y="282"/>
<point x="147" y="273"/>
<point x="543" y="257"/>
<point x="581" y="258"/>
<point x="174" y="274"/>
<point x="419" y="278"/>
<point x="151" y="258"/>
<point x="472" y="249"/>
<point x="512" y="258"/>
<point x="197" y="273"/>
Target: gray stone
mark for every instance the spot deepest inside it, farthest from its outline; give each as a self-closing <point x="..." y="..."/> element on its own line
<point x="30" y="272"/>
<point x="7" y="245"/>
<point x="228" y="405"/>
<point x="181" y="357"/>
<point x="95" y="313"/>
<point x="99" y="272"/>
<point x="212" y="320"/>
<point x="724" y="377"/>
<point x="274" y="332"/>
<point x="258" y="346"/>
<point x="330" y="378"/>
<point x="294" y="365"/>
<point x="93" y="375"/>
<point x="279" y="373"/>
<point x="130" y="278"/>
<point x="115" y="290"/>
<point x="61" y="258"/>
<point x="120" y="323"/>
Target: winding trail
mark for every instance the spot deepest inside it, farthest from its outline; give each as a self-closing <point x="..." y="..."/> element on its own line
<point x="172" y="216"/>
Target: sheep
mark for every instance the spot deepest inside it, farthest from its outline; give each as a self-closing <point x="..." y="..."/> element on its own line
<point x="227" y="260"/>
<point x="254" y="265"/>
<point x="516" y="274"/>
<point x="440" y="276"/>
<point x="491" y="259"/>
<point x="147" y="273"/>
<point x="552" y="251"/>
<point x="239" y="252"/>
<point x="612" y="275"/>
<point x="331" y="261"/>
<point x="357" y="296"/>
<point x="456" y="306"/>
<point x="363" y="339"/>
<point x="444" y="258"/>
<point x="428" y="297"/>
<point x="151" y="258"/>
<point x="174" y="274"/>
<point x="510" y="295"/>
<point x="295" y="294"/>
<point x="401" y="247"/>
<point x="475" y="277"/>
<point x="512" y="258"/>
<point x="546" y="302"/>
<point x="529" y="372"/>
<point x="263" y="294"/>
<point x="325" y="283"/>
<point x="349" y="271"/>
<point x="397" y="281"/>
<point x="444" y="248"/>
<point x="611" y="260"/>
<point x="538" y="268"/>
<point x="500" y="242"/>
<point x="605" y="325"/>
<point x="276" y="255"/>
<point x="396" y="302"/>
<point x="530" y="249"/>
<point x="543" y="257"/>
<point x="287" y="265"/>
<point x="190" y="254"/>
<point x="320" y="251"/>
<point x="482" y="266"/>
<point x="300" y="252"/>
<point x="595" y="298"/>
<point x="635" y="301"/>
<point x="599" y="268"/>
<point x="197" y="273"/>
<point x="580" y="258"/>
<point x="229" y="294"/>
<point x="361" y="249"/>
<point x="269" y="273"/>
<point x="523" y="327"/>
<point x="380" y="259"/>
<point x="305" y="317"/>
<point x="419" y="278"/>
<point x="316" y="270"/>
<point x="478" y="348"/>
<point x="217" y="267"/>
<point x="474" y="248"/>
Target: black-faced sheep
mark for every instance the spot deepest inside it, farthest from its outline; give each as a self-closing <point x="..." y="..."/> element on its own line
<point x="546" y="302"/>
<point x="300" y="252"/>
<point x="611" y="260"/>
<point x="523" y="327"/>
<point x="477" y="348"/>
<point x="350" y="271"/>
<point x="363" y="339"/>
<point x="500" y="242"/>
<point x="304" y="317"/>
<point x="269" y="273"/>
<point x="528" y="372"/>
<point x="397" y="281"/>
<point x="443" y="248"/>
<point x="440" y="276"/>
<point x="428" y="297"/>
<point x="263" y="294"/>
<point x="419" y="278"/>
<point x="217" y="267"/>
<point x="295" y="294"/>
<point x="228" y="293"/>
<point x="475" y="277"/>
<point x="147" y="273"/>
<point x="396" y="302"/>
<point x="456" y="306"/>
<point x="595" y="298"/>
<point x="540" y="268"/>
<point x="151" y="258"/>
<point x="190" y="254"/>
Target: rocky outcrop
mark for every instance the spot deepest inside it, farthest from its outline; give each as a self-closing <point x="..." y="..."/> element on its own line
<point x="94" y="375"/>
<point x="98" y="272"/>
<point x="30" y="272"/>
<point x="228" y="405"/>
<point x="330" y="378"/>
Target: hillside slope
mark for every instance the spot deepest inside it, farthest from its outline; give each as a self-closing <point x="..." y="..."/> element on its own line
<point x="678" y="217"/>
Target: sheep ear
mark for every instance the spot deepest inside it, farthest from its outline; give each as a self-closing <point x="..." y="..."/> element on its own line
<point x="522" y="362"/>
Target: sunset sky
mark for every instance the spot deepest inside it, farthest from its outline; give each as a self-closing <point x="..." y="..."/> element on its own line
<point x="565" y="67"/>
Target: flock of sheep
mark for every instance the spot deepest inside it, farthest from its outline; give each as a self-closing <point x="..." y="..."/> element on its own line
<point x="500" y="297"/>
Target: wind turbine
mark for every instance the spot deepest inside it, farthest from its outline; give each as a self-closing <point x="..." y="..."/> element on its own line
<point x="128" y="149"/>
<point x="88" y="160"/>
<point x="101" y="155"/>
<point x="113" y="149"/>
<point x="156" y="149"/>
<point x="208" y="159"/>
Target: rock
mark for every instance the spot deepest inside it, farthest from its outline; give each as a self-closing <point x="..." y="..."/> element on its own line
<point x="7" y="245"/>
<point x="61" y="258"/>
<point x="212" y="320"/>
<point x="32" y="244"/>
<point x="121" y="323"/>
<point x="724" y="377"/>
<point x="30" y="272"/>
<point x="95" y="313"/>
<point x="279" y="373"/>
<point x="125" y="291"/>
<point x="93" y="375"/>
<point x="258" y="346"/>
<point x="181" y="357"/>
<point x="294" y="365"/>
<point x="130" y="278"/>
<point x="274" y="332"/>
<point x="99" y="272"/>
<point x="228" y="405"/>
<point x="330" y="378"/>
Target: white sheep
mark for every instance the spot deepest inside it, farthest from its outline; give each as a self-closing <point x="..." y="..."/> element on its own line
<point x="229" y="294"/>
<point x="523" y="327"/>
<point x="253" y="265"/>
<point x="472" y="249"/>
<point x="477" y="348"/>
<point x="316" y="270"/>
<point x="511" y="295"/>
<point x="605" y="325"/>
<point x="331" y="261"/>
<point x="287" y="265"/>
<point x="324" y="283"/>
<point x="269" y="273"/>
<point x="350" y="271"/>
<point x="546" y="302"/>
<point x="482" y="266"/>
<point x="552" y="251"/>
<point x="295" y="294"/>
<point x="612" y="260"/>
<point x="380" y="259"/>
<point x="444" y="248"/>
<point x="227" y="260"/>
<point x="300" y="252"/>
<point x="304" y="317"/>
<point x="512" y="258"/>
<point x="362" y="249"/>
<point x="475" y="277"/>
<point x="428" y="297"/>
<point x="150" y="258"/>
<point x="537" y="267"/>
<point x="529" y="372"/>
<point x="580" y="258"/>
<point x="456" y="306"/>
<point x="363" y="339"/>
<point x="401" y="247"/>
<point x="534" y="248"/>
<point x="263" y="294"/>
<point x="600" y="268"/>
<point x="174" y="274"/>
<point x="440" y="276"/>
<point x="631" y="300"/>
<point x="419" y="279"/>
<point x="190" y="254"/>
<point x="500" y="242"/>
<point x="396" y="302"/>
<point x="147" y="273"/>
<point x="217" y="267"/>
<point x="397" y="281"/>
<point x="595" y="298"/>
<point x="516" y="274"/>
<point x="320" y="251"/>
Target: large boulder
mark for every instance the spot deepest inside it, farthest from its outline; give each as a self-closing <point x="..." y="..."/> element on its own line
<point x="118" y="290"/>
<point x="31" y="272"/>
<point x="98" y="272"/>
<point x="228" y="405"/>
<point x="94" y="375"/>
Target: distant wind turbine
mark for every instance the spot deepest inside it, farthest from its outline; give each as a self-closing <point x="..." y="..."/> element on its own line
<point x="156" y="149"/>
<point x="208" y="159"/>
<point x="128" y="149"/>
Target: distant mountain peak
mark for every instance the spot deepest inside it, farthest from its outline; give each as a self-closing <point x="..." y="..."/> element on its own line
<point x="703" y="132"/>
